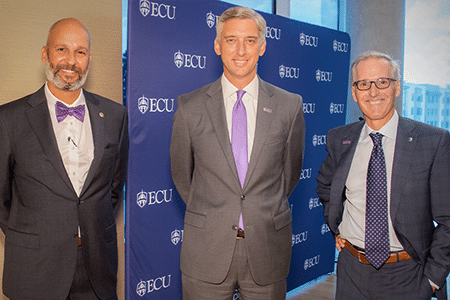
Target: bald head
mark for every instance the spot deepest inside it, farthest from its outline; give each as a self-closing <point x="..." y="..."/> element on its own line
<point x="68" y="24"/>
<point x="67" y="55"/>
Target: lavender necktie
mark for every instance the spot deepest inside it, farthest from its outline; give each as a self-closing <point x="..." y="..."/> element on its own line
<point x="62" y="111"/>
<point x="239" y="141"/>
<point x="377" y="232"/>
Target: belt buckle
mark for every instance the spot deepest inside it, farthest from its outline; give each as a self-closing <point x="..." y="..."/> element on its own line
<point x="240" y="234"/>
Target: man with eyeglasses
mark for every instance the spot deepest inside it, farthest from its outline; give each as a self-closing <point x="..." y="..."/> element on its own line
<point x="385" y="187"/>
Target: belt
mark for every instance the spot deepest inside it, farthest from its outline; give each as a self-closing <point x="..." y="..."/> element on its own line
<point x="393" y="257"/>
<point x="240" y="234"/>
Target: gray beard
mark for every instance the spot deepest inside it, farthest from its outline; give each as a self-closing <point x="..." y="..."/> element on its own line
<point x="56" y="80"/>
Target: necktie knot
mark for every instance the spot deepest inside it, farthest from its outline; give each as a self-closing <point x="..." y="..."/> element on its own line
<point x="376" y="138"/>
<point x="240" y="94"/>
<point x="62" y="111"/>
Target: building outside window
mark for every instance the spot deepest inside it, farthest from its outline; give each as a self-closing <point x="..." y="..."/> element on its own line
<point x="426" y="86"/>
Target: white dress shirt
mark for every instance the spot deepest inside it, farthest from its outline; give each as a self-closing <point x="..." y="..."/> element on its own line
<point x="250" y="101"/>
<point x="75" y="141"/>
<point x="352" y="227"/>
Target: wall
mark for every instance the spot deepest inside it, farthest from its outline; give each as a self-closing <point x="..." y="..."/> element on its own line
<point x="25" y="26"/>
<point x="375" y="25"/>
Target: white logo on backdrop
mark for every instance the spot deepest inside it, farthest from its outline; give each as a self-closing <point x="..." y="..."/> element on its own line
<point x="309" y="108"/>
<point x="143" y="104"/>
<point x="323" y="75"/>
<point x="144" y="7"/>
<point x="311" y="262"/>
<point x="145" y="287"/>
<point x="176" y="236"/>
<point x="211" y="19"/>
<point x="142" y="198"/>
<point x="308" y="40"/>
<point x="273" y="33"/>
<point x="339" y="46"/>
<point x="319" y="140"/>
<point x="299" y="238"/>
<point x="189" y="60"/>
<point x="157" y="10"/>
<point x="336" y="108"/>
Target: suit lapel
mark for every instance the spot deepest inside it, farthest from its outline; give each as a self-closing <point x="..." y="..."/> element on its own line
<point x="264" y="116"/>
<point x="97" y="117"/>
<point x="347" y="144"/>
<point x="404" y="151"/>
<point x="216" y="110"/>
<point x="39" y="118"/>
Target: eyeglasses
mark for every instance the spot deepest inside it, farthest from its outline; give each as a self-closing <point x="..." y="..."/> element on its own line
<point x="381" y="83"/>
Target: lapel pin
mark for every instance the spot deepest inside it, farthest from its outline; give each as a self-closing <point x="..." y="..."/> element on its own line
<point x="410" y="139"/>
<point x="269" y="110"/>
<point x="101" y="114"/>
<point x="346" y="142"/>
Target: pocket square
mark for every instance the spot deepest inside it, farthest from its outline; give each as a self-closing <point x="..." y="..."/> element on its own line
<point x="269" y="110"/>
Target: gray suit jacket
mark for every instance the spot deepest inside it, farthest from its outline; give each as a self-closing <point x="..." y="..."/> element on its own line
<point x="39" y="209"/>
<point x="204" y="172"/>
<point x="420" y="189"/>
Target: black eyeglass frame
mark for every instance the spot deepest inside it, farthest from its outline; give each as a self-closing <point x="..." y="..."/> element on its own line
<point x="375" y="82"/>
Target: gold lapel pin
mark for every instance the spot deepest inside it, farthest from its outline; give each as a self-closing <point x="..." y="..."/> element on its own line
<point x="101" y="114"/>
<point x="410" y="139"/>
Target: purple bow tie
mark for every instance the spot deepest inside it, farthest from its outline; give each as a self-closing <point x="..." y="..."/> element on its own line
<point x="62" y="111"/>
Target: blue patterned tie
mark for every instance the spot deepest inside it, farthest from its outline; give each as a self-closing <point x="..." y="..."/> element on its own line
<point x="239" y="141"/>
<point x="377" y="232"/>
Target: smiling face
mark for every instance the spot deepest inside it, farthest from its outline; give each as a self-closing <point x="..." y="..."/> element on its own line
<point x="67" y="56"/>
<point x="376" y="104"/>
<point x="240" y="48"/>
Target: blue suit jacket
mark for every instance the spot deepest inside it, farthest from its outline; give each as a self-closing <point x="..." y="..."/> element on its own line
<point x="420" y="189"/>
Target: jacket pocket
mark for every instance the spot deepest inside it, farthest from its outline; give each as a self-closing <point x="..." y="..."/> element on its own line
<point x="282" y="220"/>
<point x="21" y="239"/>
<point x="194" y="219"/>
<point x="111" y="233"/>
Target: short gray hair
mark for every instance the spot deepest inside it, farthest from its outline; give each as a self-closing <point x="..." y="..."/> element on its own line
<point x="239" y="12"/>
<point x="377" y="55"/>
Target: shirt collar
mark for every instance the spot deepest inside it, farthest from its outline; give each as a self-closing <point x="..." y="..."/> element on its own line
<point x="51" y="99"/>
<point x="229" y="89"/>
<point x="389" y="129"/>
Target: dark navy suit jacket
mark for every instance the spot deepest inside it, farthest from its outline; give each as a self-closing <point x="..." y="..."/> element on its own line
<point x="420" y="189"/>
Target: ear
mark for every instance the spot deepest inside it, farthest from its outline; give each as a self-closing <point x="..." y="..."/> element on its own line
<point x="262" y="48"/>
<point x="397" y="86"/>
<point x="44" y="54"/>
<point x="217" y="47"/>
<point x="354" y="94"/>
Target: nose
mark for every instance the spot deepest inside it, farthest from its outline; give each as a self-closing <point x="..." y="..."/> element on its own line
<point x="70" y="58"/>
<point x="373" y="91"/>
<point x="241" y="48"/>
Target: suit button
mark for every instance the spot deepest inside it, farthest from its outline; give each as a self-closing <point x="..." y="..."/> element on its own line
<point x="242" y="197"/>
<point x="235" y="227"/>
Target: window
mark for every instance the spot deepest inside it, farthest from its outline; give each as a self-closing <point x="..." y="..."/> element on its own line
<point x="427" y="59"/>
<point x="261" y="5"/>
<point x="318" y="12"/>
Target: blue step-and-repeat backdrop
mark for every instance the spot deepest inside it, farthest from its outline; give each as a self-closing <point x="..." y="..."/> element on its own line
<point x="170" y="52"/>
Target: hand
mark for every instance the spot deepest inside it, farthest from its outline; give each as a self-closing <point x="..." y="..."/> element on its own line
<point x="340" y="243"/>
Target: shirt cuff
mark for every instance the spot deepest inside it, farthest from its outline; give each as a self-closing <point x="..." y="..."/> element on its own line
<point x="433" y="284"/>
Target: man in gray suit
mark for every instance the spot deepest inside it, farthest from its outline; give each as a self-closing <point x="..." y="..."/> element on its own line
<point x="385" y="187"/>
<point x="63" y="161"/>
<point x="237" y="230"/>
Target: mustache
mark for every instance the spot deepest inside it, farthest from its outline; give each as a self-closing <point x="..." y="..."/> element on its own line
<point x="73" y="68"/>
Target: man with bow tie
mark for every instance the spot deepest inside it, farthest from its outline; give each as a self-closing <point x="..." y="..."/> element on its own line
<point x="63" y="162"/>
